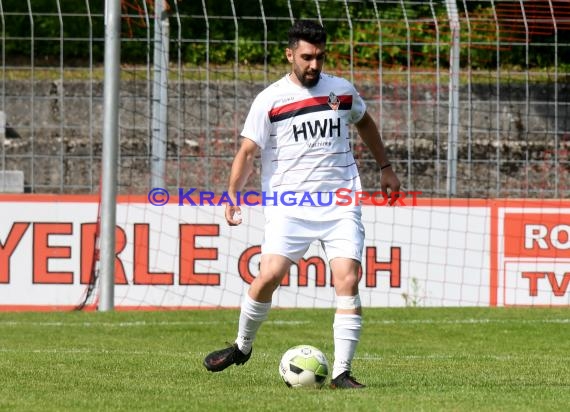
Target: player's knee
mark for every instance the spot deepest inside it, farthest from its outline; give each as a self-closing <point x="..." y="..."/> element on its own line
<point x="273" y="269"/>
<point x="346" y="284"/>
<point x="269" y="280"/>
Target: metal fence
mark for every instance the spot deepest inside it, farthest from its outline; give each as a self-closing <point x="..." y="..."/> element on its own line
<point x="510" y="121"/>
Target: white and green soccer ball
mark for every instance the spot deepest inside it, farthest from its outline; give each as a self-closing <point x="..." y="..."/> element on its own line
<point x="304" y="366"/>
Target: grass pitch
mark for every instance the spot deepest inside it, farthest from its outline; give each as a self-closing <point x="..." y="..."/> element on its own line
<point x="460" y="359"/>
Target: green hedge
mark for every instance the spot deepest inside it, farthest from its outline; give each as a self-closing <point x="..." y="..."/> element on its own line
<point x="386" y="42"/>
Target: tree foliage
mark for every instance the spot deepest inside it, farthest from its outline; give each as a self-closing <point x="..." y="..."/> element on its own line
<point x="363" y="33"/>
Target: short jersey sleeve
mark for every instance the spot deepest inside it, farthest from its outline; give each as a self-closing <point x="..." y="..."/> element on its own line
<point x="257" y="126"/>
<point x="358" y="106"/>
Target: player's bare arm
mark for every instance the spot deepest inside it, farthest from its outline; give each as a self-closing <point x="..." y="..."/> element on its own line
<point x="242" y="167"/>
<point x="368" y="131"/>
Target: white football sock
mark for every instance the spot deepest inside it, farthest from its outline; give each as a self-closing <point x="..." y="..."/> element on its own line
<point x="347" y="330"/>
<point x="251" y="317"/>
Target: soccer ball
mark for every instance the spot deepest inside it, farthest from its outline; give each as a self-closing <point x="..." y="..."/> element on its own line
<point x="304" y="366"/>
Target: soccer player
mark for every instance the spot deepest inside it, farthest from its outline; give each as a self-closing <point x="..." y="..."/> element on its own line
<point x="301" y="125"/>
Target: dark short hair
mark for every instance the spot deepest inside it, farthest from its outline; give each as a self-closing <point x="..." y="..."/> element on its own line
<point x="307" y="30"/>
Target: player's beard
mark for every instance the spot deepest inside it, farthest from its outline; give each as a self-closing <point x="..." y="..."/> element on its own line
<point x="306" y="81"/>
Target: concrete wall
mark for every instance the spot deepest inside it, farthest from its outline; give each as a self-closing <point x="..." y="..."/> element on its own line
<point x="59" y="126"/>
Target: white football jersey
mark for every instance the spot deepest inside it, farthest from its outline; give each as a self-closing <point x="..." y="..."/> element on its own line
<point x="306" y="154"/>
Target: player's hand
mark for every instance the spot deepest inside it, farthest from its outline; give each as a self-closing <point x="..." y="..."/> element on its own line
<point x="390" y="185"/>
<point x="233" y="215"/>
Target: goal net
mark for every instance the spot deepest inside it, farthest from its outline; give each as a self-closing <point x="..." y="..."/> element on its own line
<point x="469" y="92"/>
<point x="511" y="128"/>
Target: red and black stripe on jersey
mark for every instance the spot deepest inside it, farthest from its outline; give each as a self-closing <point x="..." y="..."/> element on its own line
<point x="311" y="105"/>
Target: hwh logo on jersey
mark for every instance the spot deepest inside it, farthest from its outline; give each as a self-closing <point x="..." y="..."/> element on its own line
<point x="324" y="128"/>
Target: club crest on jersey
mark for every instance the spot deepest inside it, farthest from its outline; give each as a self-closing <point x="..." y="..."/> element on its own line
<point x="334" y="101"/>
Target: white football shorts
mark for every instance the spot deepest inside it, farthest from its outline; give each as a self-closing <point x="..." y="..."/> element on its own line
<point x="291" y="237"/>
